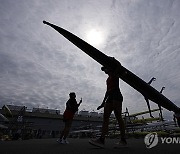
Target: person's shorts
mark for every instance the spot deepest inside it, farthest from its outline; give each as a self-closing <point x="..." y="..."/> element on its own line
<point x="115" y="95"/>
<point x="68" y="115"/>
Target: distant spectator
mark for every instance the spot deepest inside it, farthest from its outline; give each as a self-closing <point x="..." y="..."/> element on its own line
<point x="71" y="108"/>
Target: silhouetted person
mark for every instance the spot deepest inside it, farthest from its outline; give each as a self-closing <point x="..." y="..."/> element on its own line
<point x="112" y="102"/>
<point x="71" y="108"/>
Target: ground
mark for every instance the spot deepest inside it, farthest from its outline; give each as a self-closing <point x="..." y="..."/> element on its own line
<point x="81" y="146"/>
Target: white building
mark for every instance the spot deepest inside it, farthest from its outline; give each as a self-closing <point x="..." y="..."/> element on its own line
<point x="84" y="113"/>
<point x="93" y="114"/>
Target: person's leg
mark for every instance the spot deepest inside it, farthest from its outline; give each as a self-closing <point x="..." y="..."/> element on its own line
<point x="66" y="129"/>
<point x="62" y="134"/>
<point x="65" y="132"/>
<point x="107" y="112"/>
<point x="67" y="119"/>
<point x="59" y="140"/>
<point x="118" y="115"/>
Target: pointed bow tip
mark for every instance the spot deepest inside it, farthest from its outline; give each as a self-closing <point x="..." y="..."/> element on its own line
<point x="45" y="22"/>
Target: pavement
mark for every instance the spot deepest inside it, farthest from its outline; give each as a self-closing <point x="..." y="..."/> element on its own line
<point x="81" y="146"/>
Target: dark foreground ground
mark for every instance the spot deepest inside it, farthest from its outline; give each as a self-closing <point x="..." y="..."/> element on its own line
<point x="81" y="146"/>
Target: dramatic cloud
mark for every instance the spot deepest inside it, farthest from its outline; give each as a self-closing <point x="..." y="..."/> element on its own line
<point x="39" y="67"/>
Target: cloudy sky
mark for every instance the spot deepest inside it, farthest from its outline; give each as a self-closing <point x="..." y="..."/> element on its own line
<point x="39" y="67"/>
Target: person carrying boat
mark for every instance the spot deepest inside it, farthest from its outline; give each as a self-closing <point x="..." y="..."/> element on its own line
<point x="112" y="102"/>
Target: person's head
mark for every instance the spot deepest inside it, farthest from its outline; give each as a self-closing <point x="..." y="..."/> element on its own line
<point x="72" y="95"/>
<point x="106" y="70"/>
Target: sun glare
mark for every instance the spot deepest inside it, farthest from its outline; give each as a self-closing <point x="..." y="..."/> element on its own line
<point x="95" y="37"/>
